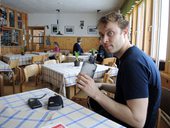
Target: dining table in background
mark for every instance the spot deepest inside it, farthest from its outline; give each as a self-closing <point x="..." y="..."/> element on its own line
<point x="49" y="53"/>
<point x="15" y="113"/>
<point x="64" y="75"/>
<point x="25" y="59"/>
<point x="4" y="67"/>
<point x="80" y="57"/>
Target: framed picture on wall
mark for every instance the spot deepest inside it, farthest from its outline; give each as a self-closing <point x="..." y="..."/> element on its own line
<point x="91" y="30"/>
<point x="54" y="28"/>
<point x="69" y="29"/>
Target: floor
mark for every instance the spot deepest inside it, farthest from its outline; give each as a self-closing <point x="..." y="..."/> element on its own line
<point x="8" y="90"/>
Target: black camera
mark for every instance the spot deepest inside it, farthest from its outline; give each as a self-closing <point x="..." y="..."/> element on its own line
<point x="55" y="102"/>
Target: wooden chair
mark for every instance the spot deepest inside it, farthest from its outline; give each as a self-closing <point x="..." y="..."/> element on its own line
<point x="81" y="98"/>
<point x="109" y="62"/>
<point x="1" y="85"/>
<point x="61" y="58"/>
<point x="38" y="59"/>
<point x="16" y="72"/>
<point x="45" y="57"/>
<point x="51" y="61"/>
<point x="163" y="120"/>
<point x="30" y="71"/>
<point x="107" y="78"/>
<point x="167" y="67"/>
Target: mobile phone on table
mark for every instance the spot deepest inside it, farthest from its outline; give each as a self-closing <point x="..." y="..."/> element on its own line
<point x="88" y="69"/>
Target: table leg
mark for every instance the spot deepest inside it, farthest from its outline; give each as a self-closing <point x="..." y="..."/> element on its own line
<point x="70" y="92"/>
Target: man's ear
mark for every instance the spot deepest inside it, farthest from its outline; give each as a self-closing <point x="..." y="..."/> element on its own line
<point x="126" y="30"/>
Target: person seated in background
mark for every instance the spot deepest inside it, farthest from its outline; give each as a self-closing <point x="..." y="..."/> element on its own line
<point x="77" y="47"/>
<point x="102" y="53"/>
<point x="56" y="50"/>
<point x="56" y="47"/>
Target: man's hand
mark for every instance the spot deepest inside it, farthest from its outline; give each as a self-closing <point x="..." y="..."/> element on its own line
<point x="87" y="84"/>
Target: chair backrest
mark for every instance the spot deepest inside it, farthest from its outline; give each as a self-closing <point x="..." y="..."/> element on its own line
<point x="37" y="59"/>
<point x="109" y="61"/>
<point x="61" y="58"/>
<point x="165" y="100"/>
<point x="45" y="57"/>
<point x="51" y="61"/>
<point x="163" y="120"/>
<point x="14" y="63"/>
<point x="31" y="70"/>
<point x="107" y="78"/>
<point x="167" y="67"/>
<point x="1" y="85"/>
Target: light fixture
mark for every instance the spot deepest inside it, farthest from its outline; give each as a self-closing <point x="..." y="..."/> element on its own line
<point x="81" y="24"/>
<point x="47" y="26"/>
<point x="98" y="10"/>
<point x="58" y="22"/>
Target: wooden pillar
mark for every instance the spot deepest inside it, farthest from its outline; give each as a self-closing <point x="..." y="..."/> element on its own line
<point x="1" y="85"/>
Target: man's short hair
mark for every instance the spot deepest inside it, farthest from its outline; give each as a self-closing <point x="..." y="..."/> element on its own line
<point x="114" y="17"/>
<point x="78" y="39"/>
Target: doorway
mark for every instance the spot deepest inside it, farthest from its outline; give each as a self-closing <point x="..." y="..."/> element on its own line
<point x="36" y="38"/>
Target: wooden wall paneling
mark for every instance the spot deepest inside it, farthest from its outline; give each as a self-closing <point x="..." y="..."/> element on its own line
<point x="134" y="25"/>
<point x="148" y="27"/>
<point x="16" y="19"/>
<point x="10" y="49"/>
<point x="165" y="81"/>
<point x="90" y="42"/>
<point x="67" y="43"/>
<point x="165" y="75"/>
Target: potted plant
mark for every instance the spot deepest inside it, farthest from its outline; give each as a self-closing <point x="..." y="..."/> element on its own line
<point x="22" y="51"/>
<point x="93" y="51"/>
<point x="77" y="61"/>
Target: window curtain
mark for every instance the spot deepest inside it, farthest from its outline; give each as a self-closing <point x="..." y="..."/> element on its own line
<point x="128" y="6"/>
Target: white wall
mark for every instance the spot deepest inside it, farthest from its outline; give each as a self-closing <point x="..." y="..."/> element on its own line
<point x="66" y="19"/>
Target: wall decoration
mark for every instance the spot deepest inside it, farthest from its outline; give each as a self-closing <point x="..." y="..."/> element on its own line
<point x="54" y="28"/>
<point x="69" y="29"/>
<point x="91" y="30"/>
<point x="81" y="24"/>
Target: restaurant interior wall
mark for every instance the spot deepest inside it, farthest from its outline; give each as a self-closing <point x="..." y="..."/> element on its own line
<point x="66" y="19"/>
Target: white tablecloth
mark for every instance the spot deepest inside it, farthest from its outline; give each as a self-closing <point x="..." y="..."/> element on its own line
<point x="23" y="59"/>
<point x="15" y="113"/>
<point x="73" y="58"/>
<point x="64" y="74"/>
<point x="4" y="67"/>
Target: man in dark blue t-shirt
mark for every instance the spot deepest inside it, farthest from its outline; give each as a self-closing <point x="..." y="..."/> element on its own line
<point x="138" y="85"/>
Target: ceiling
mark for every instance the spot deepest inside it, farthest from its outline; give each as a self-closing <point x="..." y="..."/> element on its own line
<point x="65" y="6"/>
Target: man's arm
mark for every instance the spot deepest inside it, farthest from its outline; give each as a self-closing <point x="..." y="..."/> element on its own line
<point x="107" y="87"/>
<point x="134" y="113"/>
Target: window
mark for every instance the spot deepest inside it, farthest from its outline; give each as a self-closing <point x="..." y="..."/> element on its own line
<point x="140" y="25"/>
<point x="160" y="29"/>
<point x="164" y="29"/>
